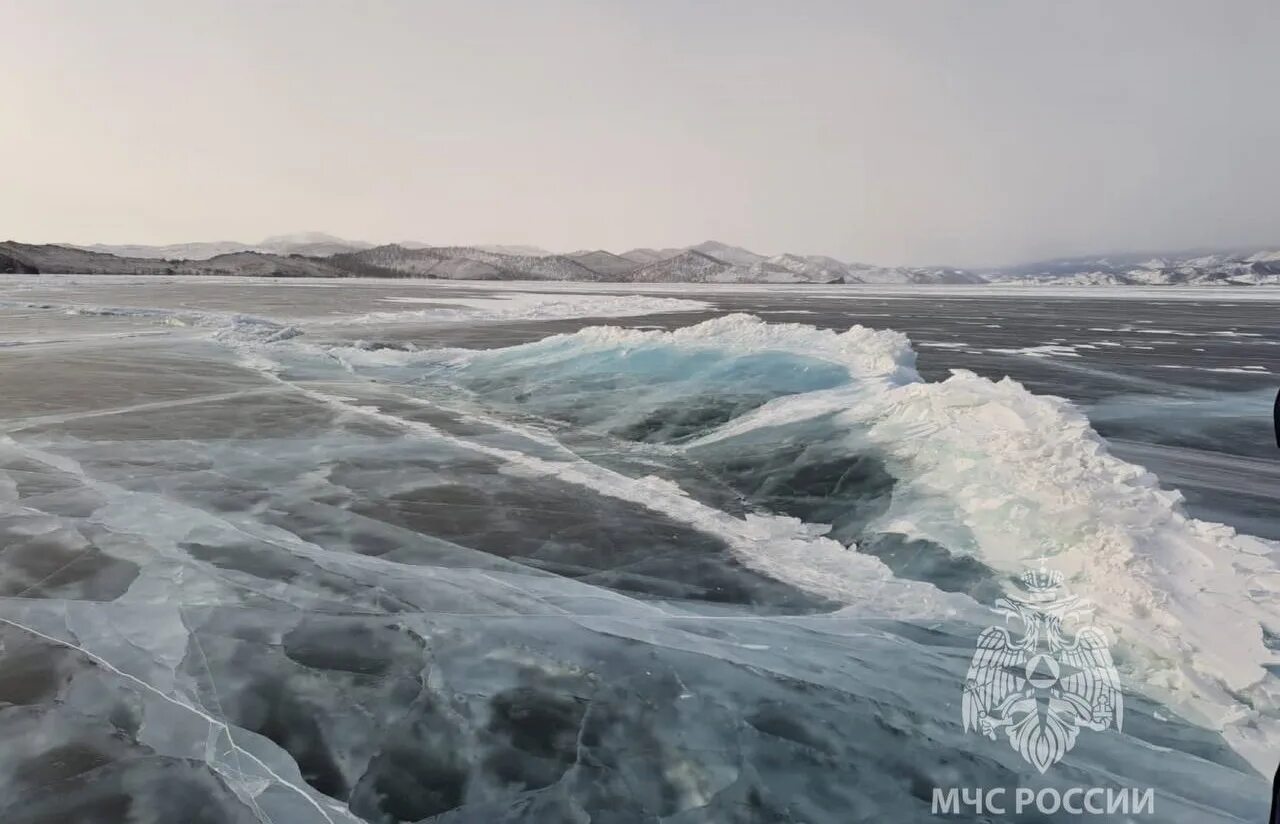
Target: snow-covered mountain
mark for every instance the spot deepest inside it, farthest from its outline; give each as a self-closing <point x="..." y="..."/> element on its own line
<point x="604" y="263"/>
<point x="734" y="255"/>
<point x="710" y="261"/>
<point x="24" y="258"/>
<point x="687" y="267"/>
<point x="713" y="262"/>
<point x="462" y="263"/>
<point x="525" y="267"/>
<point x="321" y="255"/>
<point x="260" y="264"/>
<point x="399" y="261"/>
<point x="865" y="273"/>
<point x="1198" y="268"/>
<point x="30" y="258"/>
<point x="813" y="268"/>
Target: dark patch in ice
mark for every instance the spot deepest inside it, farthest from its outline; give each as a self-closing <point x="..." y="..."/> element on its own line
<point x="155" y="790"/>
<point x="539" y="728"/>
<point x="40" y="487"/>
<point x="805" y="470"/>
<point x="272" y="566"/>
<point x="782" y="722"/>
<point x="419" y="772"/>
<point x="60" y="763"/>
<point x="71" y="752"/>
<point x="33" y="672"/>
<point x="305" y="575"/>
<point x="60" y="563"/>
<point x="360" y="648"/>
<point x="561" y="528"/>
<point x="394" y="346"/>
<point x="923" y="560"/>
<point x="277" y="712"/>
<point x="299" y="690"/>
<point x="807" y="479"/>
<point x="691" y="417"/>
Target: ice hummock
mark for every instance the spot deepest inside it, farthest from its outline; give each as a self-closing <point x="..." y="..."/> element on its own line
<point x="984" y="469"/>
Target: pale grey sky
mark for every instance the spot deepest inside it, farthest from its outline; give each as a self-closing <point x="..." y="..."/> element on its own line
<point x="958" y="131"/>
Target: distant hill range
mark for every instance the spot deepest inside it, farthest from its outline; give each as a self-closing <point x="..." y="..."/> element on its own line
<point x="325" y="256"/>
<point x="1199" y="267"/>
<point x="314" y="244"/>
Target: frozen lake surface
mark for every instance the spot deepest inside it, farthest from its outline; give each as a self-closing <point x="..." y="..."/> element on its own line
<point x="401" y="551"/>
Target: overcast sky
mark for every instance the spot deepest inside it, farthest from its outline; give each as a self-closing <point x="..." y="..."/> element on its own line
<point x="955" y="131"/>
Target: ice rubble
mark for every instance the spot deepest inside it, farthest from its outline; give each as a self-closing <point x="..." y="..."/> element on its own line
<point x="228" y="326"/>
<point x="989" y="469"/>
<point x="1003" y="474"/>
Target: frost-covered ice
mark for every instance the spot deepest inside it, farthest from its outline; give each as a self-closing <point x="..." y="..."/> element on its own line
<point x="1045" y="350"/>
<point x="1232" y="370"/>
<point x="530" y="307"/>
<point x="730" y="571"/>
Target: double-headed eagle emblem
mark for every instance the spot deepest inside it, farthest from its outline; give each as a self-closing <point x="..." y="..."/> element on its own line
<point x="1041" y="688"/>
